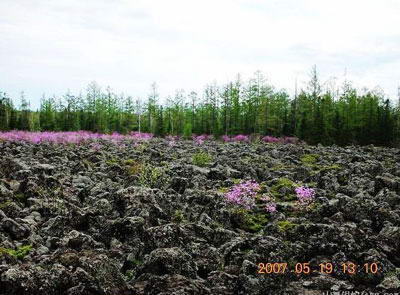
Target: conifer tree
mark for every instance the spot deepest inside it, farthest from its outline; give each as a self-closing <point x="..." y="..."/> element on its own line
<point x="25" y="120"/>
<point x="4" y="112"/>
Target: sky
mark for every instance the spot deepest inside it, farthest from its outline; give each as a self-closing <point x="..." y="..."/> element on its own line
<point x="54" y="46"/>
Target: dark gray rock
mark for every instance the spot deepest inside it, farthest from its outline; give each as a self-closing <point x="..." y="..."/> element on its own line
<point x="169" y="261"/>
<point x="15" y="230"/>
<point x="97" y="228"/>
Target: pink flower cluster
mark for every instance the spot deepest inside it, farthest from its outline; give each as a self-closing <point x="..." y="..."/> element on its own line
<point x="199" y="139"/>
<point x="237" y="138"/>
<point x="53" y="137"/>
<point x="172" y="139"/>
<point x="243" y="194"/>
<point x="70" y="137"/>
<point x="241" y="138"/>
<point x="271" y="139"/>
<point x="95" y="146"/>
<point x="270" y="206"/>
<point x="226" y="138"/>
<point x="305" y="195"/>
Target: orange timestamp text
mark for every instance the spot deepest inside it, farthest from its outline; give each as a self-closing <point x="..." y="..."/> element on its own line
<point x="325" y="267"/>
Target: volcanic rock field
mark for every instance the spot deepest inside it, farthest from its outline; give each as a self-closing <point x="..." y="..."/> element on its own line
<point x="152" y="218"/>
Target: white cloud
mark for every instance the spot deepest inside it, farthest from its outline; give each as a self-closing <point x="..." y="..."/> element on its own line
<point x="51" y="46"/>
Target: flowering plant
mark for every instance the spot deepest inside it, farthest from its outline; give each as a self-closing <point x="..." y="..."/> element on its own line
<point x="241" y="138"/>
<point x="226" y="138"/>
<point x="70" y="137"/>
<point x="305" y="195"/>
<point x="237" y="138"/>
<point x="243" y="194"/>
<point x="270" y="206"/>
<point x="284" y="140"/>
<point x="95" y="146"/>
<point x="270" y="139"/>
<point x="172" y="139"/>
<point x="199" y="139"/>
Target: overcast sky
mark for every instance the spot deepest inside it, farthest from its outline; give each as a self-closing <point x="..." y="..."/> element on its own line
<point x="51" y="46"/>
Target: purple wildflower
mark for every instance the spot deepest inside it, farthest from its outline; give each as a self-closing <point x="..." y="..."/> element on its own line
<point x="243" y="194"/>
<point x="305" y="195"/>
<point x="241" y="138"/>
<point x="266" y="198"/>
<point x="70" y="137"/>
<point x="96" y="146"/>
<point x="172" y="137"/>
<point x="270" y="139"/>
<point x="141" y="136"/>
<point x="292" y="140"/>
<point x="270" y="207"/>
<point x="199" y="139"/>
<point x="226" y="138"/>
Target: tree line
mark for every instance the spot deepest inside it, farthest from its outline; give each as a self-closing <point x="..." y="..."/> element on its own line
<point x="316" y="114"/>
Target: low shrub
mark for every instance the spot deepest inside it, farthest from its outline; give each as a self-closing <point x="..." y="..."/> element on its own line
<point x="288" y="194"/>
<point x="246" y="194"/>
<point x="201" y="159"/>
<point x="134" y="167"/>
<point x="243" y="194"/>
<point x="154" y="177"/>
<point x="309" y="159"/>
<point x="178" y="216"/>
<point x="247" y="220"/>
<point x="19" y="253"/>
<point x="285" y="225"/>
<point x="305" y="195"/>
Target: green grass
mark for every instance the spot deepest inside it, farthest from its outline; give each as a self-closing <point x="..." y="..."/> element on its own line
<point x="309" y="159"/>
<point x="201" y="159"/>
<point x="142" y="147"/>
<point x="237" y="180"/>
<point x="282" y="167"/>
<point x="112" y="161"/>
<point x="20" y="197"/>
<point x="321" y="168"/>
<point x="137" y="262"/>
<point x="223" y="190"/>
<point x="5" y="204"/>
<point x="287" y="183"/>
<point x="20" y="253"/>
<point x="255" y="222"/>
<point x="133" y="167"/>
<point x="130" y="274"/>
<point x="129" y="162"/>
<point x="178" y="216"/>
<point x="154" y="177"/>
<point x="250" y="221"/>
<point x="285" y="225"/>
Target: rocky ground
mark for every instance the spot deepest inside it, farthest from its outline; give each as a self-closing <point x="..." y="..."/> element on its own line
<point x="152" y="219"/>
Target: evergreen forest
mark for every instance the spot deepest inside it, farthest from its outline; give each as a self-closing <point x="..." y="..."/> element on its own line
<point x="316" y="114"/>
